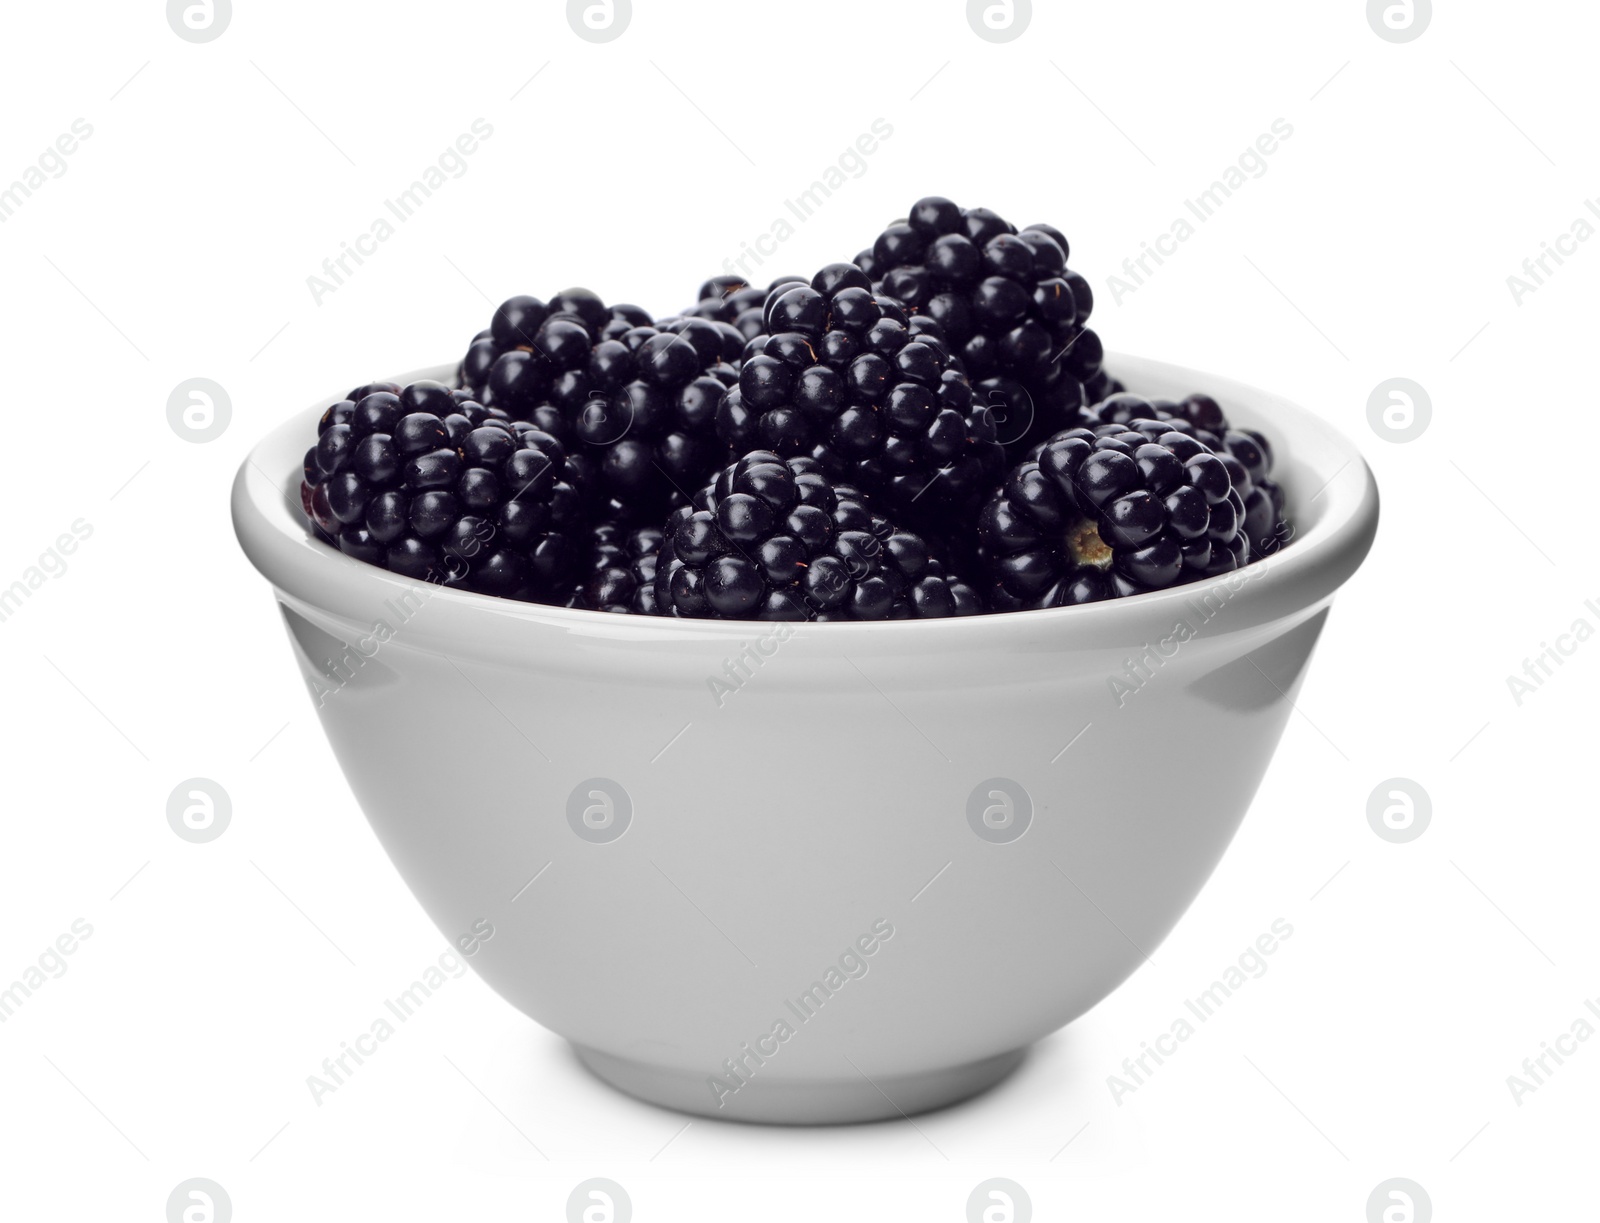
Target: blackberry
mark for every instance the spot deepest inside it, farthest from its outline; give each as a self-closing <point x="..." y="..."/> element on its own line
<point x="427" y="482"/>
<point x="733" y="300"/>
<point x="1008" y="305"/>
<point x="1134" y="504"/>
<point x="622" y="571"/>
<point x="848" y="379"/>
<point x="1245" y="452"/>
<point x="632" y="399"/>
<point x="776" y="539"/>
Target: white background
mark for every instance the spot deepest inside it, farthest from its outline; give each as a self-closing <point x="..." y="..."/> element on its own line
<point x="177" y="245"/>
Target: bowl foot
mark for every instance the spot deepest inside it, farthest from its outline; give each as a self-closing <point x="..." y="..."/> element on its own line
<point x="777" y="1101"/>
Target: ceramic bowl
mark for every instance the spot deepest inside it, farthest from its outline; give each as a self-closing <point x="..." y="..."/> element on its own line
<point x="811" y="872"/>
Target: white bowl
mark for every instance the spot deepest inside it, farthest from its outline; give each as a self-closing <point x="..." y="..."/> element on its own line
<point x="857" y="881"/>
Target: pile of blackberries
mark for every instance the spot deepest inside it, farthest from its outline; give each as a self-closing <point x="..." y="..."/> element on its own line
<point x="924" y="432"/>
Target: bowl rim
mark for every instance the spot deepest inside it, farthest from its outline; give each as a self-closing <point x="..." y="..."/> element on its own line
<point x="267" y="521"/>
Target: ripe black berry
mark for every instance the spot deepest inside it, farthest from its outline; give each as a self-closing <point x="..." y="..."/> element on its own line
<point x="1009" y="307"/>
<point x="1133" y="504"/>
<point x="776" y="539"/>
<point x="621" y="573"/>
<point x="429" y="483"/>
<point x="1246" y="453"/>
<point x="844" y="376"/>
<point x="632" y="399"/>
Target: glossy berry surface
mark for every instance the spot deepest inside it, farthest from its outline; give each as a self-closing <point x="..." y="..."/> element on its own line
<point x="844" y="376"/>
<point x="1008" y="305"/>
<point x="1245" y="452"/>
<point x="1138" y="502"/>
<point x="621" y="570"/>
<point x="735" y="301"/>
<point x="777" y="539"/>
<point x="633" y="399"/>
<point x="429" y="483"/>
<point x="926" y="430"/>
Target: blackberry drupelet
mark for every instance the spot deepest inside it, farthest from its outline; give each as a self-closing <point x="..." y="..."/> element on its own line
<point x="1009" y="306"/>
<point x="622" y="571"/>
<point x="776" y="539"/>
<point x="516" y="327"/>
<point x="733" y="300"/>
<point x="845" y="377"/>
<point x="1246" y="452"/>
<point x="633" y="400"/>
<point x="1134" y="504"/>
<point x="428" y="483"/>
